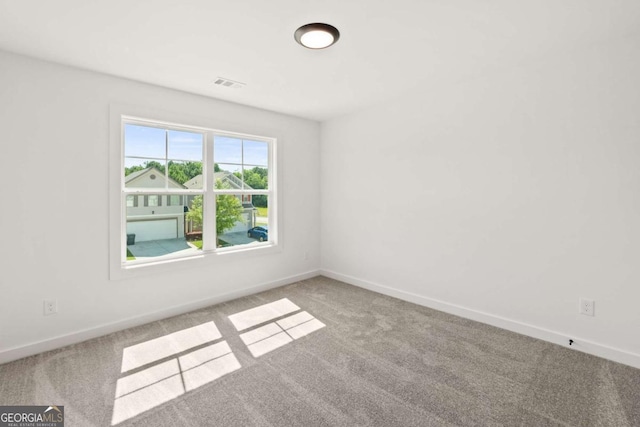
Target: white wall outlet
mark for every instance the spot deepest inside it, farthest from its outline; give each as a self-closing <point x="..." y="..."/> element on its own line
<point x="50" y="307"/>
<point x="587" y="306"/>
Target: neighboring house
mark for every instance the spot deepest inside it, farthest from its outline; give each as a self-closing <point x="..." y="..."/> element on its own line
<point x="162" y="216"/>
<point x="229" y="180"/>
<point x="154" y="216"/>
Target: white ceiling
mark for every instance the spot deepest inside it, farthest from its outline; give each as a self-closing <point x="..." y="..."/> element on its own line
<point x="386" y="47"/>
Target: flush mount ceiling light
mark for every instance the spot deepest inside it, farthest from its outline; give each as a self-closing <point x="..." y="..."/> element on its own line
<point x="317" y="36"/>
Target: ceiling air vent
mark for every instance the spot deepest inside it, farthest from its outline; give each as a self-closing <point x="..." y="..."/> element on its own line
<point x="221" y="81"/>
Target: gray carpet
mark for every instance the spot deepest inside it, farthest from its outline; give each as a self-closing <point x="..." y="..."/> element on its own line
<point x="377" y="361"/>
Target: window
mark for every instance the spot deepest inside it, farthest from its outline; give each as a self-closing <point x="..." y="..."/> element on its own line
<point x="151" y="200"/>
<point x="174" y="200"/>
<point x="132" y="201"/>
<point x="192" y="192"/>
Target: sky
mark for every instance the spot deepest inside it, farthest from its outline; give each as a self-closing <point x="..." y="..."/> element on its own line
<point x="230" y="153"/>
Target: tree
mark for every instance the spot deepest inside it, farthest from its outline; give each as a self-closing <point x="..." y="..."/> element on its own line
<point x="193" y="169"/>
<point x="195" y="212"/>
<point x="183" y="172"/>
<point x="257" y="178"/>
<point x="178" y="171"/>
<point x="155" y="164"/>
<point x="132" y="169"/>
<point x="228" y="210"/>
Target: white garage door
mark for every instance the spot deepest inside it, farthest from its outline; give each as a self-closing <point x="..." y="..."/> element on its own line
<point x="153" y="230"/>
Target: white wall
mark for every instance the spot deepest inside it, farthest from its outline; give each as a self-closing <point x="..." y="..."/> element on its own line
<point x="504" y="198"/>
<point x="54" y="224"/>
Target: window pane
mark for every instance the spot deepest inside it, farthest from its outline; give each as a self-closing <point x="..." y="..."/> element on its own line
<point x="161" y="227"/>
<point x="144" y="141"/>
<point x="227" y="150"/>
<point x="185" y="145"/>
<point x="241" y="219"/>
<point x="256" y="153"/>
<point x="247" y="160"/>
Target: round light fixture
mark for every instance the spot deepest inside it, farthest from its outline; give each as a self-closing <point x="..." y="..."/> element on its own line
<point x="317" y="36"/>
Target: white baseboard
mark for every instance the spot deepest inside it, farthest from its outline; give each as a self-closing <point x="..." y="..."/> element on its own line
<point x="98" y="331"/>
<point x="584" y="345"/>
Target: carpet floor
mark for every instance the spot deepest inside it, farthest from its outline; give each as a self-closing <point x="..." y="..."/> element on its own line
<point x="323" y="353"/>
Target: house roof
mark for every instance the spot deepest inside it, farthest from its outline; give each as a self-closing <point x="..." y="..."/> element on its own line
<point x="226" y="177"/>
<point x="195" y="182"/>
<point x="136" y="174"/>
<point x="139" y="175"/>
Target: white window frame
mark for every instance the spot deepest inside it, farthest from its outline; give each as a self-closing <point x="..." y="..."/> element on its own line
<point x="119" y="266"/>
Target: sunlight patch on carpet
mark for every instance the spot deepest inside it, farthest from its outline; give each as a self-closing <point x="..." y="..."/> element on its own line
<point x="264" y="313"/>
<point x="162" y="382"/>
<point x="153" y="350"/>
<point x="274" y="335"/>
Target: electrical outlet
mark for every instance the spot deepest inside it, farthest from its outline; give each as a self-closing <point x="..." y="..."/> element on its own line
<point x="50" y="307"/>
<point x="587" y="306"/>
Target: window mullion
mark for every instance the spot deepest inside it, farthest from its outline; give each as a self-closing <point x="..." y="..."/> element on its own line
<point x="242" y="165"/>
<point x="273" y="194"/>
<point x="209" y="201"/>
<point x="123" y="226"/>
<point x="166" y="160"/>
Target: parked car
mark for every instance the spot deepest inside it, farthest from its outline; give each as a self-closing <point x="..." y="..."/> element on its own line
<point x="260" y="233"/>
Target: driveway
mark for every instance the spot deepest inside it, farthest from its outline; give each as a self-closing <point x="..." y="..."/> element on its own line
<point x="237" y="238"/>
<point x="155" y="248"/>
